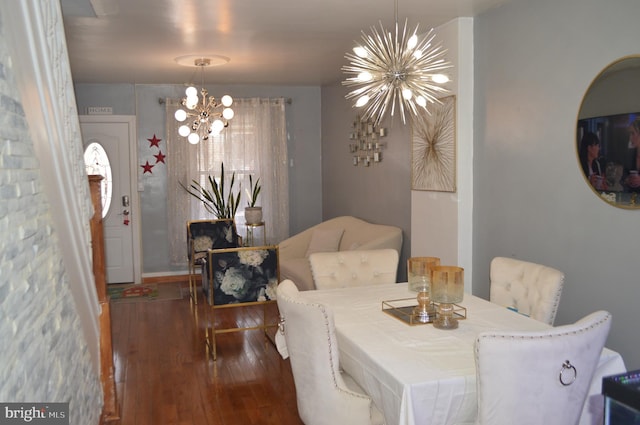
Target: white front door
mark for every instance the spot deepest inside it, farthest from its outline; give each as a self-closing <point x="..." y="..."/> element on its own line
<point x="109" y="143"/>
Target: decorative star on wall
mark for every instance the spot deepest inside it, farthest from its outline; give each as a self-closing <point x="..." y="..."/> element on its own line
<point x="147" y="168"/>
<point x="160" y="157"/>
<point x="154" y="141"/>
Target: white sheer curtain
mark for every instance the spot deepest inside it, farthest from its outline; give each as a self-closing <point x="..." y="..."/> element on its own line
<point x="255" y="143"/>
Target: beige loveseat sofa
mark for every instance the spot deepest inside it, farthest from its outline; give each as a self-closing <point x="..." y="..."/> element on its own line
<point x="337" y="234"/>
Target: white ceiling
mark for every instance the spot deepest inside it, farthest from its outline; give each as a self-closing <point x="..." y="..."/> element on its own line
<point x="279" y="42"/>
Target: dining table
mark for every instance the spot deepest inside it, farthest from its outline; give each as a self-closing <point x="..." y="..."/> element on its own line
<point x="418" y="374"/>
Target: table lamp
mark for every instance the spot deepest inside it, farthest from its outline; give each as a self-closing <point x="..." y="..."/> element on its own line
<point x="447" y="288"/>
<point x="419" y="276"/>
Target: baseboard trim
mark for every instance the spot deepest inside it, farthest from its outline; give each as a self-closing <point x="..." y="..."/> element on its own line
<point x="182" y="278"/>
<point x="166" y="273"/>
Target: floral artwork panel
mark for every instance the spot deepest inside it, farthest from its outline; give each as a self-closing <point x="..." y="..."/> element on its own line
<point x="433" y="146"/>
<point x="220" y="233"/>
<point x="244" y="275"/>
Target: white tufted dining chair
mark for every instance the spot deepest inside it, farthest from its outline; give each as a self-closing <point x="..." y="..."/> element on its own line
<point x="538" y="377"/>
<point x="325" y="395"/>
<point x="529" y="288"/>
<point x="354" y="268"/>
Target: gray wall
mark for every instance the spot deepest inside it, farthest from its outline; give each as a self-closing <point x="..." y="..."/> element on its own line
<point x="380" y="193"/>
<point x="534" y="62"/>
<point x="44" y="357"/>
<point x="303" y="120"/>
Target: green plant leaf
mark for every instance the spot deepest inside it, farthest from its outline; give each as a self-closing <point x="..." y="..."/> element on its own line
<point x="214" y="199"/>
<point x="253" y="192"/>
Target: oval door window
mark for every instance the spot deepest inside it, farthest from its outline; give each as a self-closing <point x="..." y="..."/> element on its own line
<point x="97" y="162"/>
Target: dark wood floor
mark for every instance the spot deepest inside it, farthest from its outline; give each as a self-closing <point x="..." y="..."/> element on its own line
<point x="163" y="375"/>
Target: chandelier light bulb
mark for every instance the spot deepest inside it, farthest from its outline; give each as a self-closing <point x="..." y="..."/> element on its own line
<point x="180" y="115"/>
<point x="184" y="130"/>
<point x="413" y="41"/>
<point x="440" y="78"/>
<point x="403" y="65"/>
<point x="191" y="91"/>
<point x="365" y="76"/>
<point x="226" y="100"/>
<point x="193" y="138"/>
<point x="360" y="51"/>
<point x="363" y="100"/>
<point x="227" y="113"/>
<point x="217" y="126"/>
<point x="191" y="102"/>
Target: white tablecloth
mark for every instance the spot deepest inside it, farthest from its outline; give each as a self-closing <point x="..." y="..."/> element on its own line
<point x="420" y="374"/>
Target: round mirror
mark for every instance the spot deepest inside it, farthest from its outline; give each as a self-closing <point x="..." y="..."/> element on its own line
<point x="608" y="134"/>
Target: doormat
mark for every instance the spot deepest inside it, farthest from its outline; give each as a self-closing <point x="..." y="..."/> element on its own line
<point x="143" y="293"/>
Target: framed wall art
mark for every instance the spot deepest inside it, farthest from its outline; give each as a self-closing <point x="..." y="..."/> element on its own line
<point x="433" y="148"/>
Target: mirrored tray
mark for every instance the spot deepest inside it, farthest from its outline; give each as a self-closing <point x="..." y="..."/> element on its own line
<point x="402" y="309"/>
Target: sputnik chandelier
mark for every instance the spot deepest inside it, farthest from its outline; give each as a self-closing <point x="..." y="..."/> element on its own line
<point x="203" y="116"/>
<point x="402" y="69"/>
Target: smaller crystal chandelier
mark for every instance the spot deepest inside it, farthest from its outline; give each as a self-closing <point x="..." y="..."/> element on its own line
<point x="204" y="115"/>
<point x="405" y="69"/>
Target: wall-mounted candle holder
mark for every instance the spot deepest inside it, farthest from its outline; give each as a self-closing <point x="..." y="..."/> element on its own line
<point x="365" y="146"/>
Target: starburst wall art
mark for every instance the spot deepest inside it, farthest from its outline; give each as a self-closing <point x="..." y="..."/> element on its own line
<point x="433" y="146"/>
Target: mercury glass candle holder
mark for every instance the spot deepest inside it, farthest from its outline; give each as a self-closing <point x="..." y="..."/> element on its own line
<point x="419" y="276"/>
<point x="447" y="288"/>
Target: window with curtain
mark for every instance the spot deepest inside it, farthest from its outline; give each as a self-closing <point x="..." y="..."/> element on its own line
<point x="254" y="143"/>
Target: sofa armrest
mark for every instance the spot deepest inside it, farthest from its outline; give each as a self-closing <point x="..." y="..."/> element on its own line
<point x="298" y="271"/>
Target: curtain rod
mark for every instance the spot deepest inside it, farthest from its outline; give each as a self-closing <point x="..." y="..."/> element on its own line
<point x="287" y="100"/>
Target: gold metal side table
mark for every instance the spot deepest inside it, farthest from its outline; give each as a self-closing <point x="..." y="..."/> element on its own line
<point x="251" y="229"/>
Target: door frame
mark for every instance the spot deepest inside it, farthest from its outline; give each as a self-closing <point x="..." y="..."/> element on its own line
<point x="130" y="120"/>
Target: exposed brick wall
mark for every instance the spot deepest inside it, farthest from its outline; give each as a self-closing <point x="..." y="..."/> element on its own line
<point x="43" y="354"/>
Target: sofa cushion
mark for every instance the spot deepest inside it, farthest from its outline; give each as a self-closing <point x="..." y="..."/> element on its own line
<point x="354" y="268"/>
<point x="324" y="240"/>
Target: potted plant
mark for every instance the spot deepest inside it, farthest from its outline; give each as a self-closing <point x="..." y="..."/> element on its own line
<point x="215" y="200"/>
<point x="253" y="213"/>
